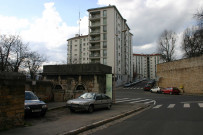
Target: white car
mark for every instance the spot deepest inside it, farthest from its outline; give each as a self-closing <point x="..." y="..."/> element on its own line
<point x="156" y="89"/>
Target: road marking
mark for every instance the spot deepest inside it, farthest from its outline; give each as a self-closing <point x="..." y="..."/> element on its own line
<point x="126" y="100"/>
<point x="157" y="106"/>
<point x="186" y="105"/>
<point x="139" y="101"/>
<point x="200" y="105"/>
<point x="150" y="102"/>
<point x="171" y="106"/>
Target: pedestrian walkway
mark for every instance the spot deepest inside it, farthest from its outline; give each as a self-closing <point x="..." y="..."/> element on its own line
<point x="64" y="122"/>
<point x="185" y="105"/>
<point x="136" y="100"/>
<point x="55" y="105"/>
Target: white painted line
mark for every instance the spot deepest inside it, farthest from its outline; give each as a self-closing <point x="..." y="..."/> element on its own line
<point x="149" y="102"/>
<point x="139" y="101"/>
<point x="186" y="105"/>
<point x="127" y="100"/>
<point x="171" y="106"/>
<point x="200" y="105"/>
<point x="157" y="106"/>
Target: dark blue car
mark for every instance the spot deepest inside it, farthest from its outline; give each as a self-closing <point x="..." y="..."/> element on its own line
<point x="33" y="105"/>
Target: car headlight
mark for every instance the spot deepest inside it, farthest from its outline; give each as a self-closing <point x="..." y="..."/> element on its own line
<point x="69" y="102"/>
<point x="44" y="106"/>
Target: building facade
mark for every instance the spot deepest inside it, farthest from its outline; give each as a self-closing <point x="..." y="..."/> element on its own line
<point x="78" y="50"/>
<point x="110" y="43"/>
<point x="145" y="65"/>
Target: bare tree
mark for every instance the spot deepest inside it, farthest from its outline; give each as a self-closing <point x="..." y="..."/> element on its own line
<point x="33" y="62"/>
<point x="12" y="52"/>
<point x="5" y="49"/>
<point x="192" y="43"/>
<point x="19" y="54"/>
<point x="199" y="17"/>
<point x="166" y="45"/>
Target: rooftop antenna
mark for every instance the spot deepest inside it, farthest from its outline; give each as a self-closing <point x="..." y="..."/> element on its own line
<point x="79" y="23"/>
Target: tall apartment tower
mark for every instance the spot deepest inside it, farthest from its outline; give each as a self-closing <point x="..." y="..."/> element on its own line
<point x="109" y="43"/>
<point x="78" y="50"/>
<point x="145" y="65"/>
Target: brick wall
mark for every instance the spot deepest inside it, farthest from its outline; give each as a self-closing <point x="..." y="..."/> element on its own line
<point x="185" y="73"/>
<point x="12" y="97"/>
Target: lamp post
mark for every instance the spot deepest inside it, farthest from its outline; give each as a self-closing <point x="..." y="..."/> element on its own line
<point x="114" y="81"/>
<point x="114" y="74"/>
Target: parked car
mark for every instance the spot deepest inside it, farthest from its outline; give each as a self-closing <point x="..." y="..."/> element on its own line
<point x="127" y="85"/>
<point x="33" y="105"/>
<point x="156" y="89"/>
<point x="89" y="102"/>
<point x="171" y="90"/>
<point x="152" y="82"/>
<point x="148" y="87"/>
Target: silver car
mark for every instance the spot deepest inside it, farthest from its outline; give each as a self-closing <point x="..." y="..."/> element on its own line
<point x="89" y="102"/>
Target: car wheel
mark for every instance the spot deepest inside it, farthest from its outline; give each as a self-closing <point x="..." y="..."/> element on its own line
<point x="90" y="109"/>
<point x="109" y="106"/>
<point x="170" y="93"/>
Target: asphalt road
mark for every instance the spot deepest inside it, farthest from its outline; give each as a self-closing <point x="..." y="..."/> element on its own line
<point x="171" y="115"/>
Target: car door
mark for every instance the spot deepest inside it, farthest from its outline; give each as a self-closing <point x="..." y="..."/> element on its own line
<point x="98" y="101"/>
<point x="105" y="101"/>
<point x="169" y="90"/>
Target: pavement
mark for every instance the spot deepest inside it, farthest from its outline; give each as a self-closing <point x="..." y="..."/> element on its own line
<point x="55" y="105"/>
<point x="75" y="123"/>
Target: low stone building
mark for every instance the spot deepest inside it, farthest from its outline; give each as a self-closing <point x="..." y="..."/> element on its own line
<point x="186" y="74"/>
<point x="72" y="80"/>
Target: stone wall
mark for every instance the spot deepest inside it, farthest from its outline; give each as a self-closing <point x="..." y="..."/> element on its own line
<point x="70" y="81"/>
<point x="65" y="86"/>
<point x="43" y="89"/>
<point x="186" y="74"/>
<point x="12" y="97"/>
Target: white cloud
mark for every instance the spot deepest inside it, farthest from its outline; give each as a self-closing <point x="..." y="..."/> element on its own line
<point x="149" y="18"/>
<point x="47" y="34"/>
<point x="145" y="49"/>
<point x="49" y="28"/>
<point x="12" y="25"/>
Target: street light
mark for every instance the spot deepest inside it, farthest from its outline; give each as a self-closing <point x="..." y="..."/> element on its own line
<point x="114" y="83"/>
<point x="114" y="80"/>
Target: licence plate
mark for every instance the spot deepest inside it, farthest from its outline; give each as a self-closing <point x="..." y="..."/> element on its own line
<point x="37" y="110"/>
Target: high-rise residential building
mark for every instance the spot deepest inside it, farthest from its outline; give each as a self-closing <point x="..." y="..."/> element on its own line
<point x="145" y="65"/>
<point x="78" y="50"/>
<point x="110" y="42"/>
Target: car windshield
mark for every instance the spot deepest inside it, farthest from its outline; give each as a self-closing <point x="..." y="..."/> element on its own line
<point x="30" y="96"/>
<point x="87" y="96"/>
